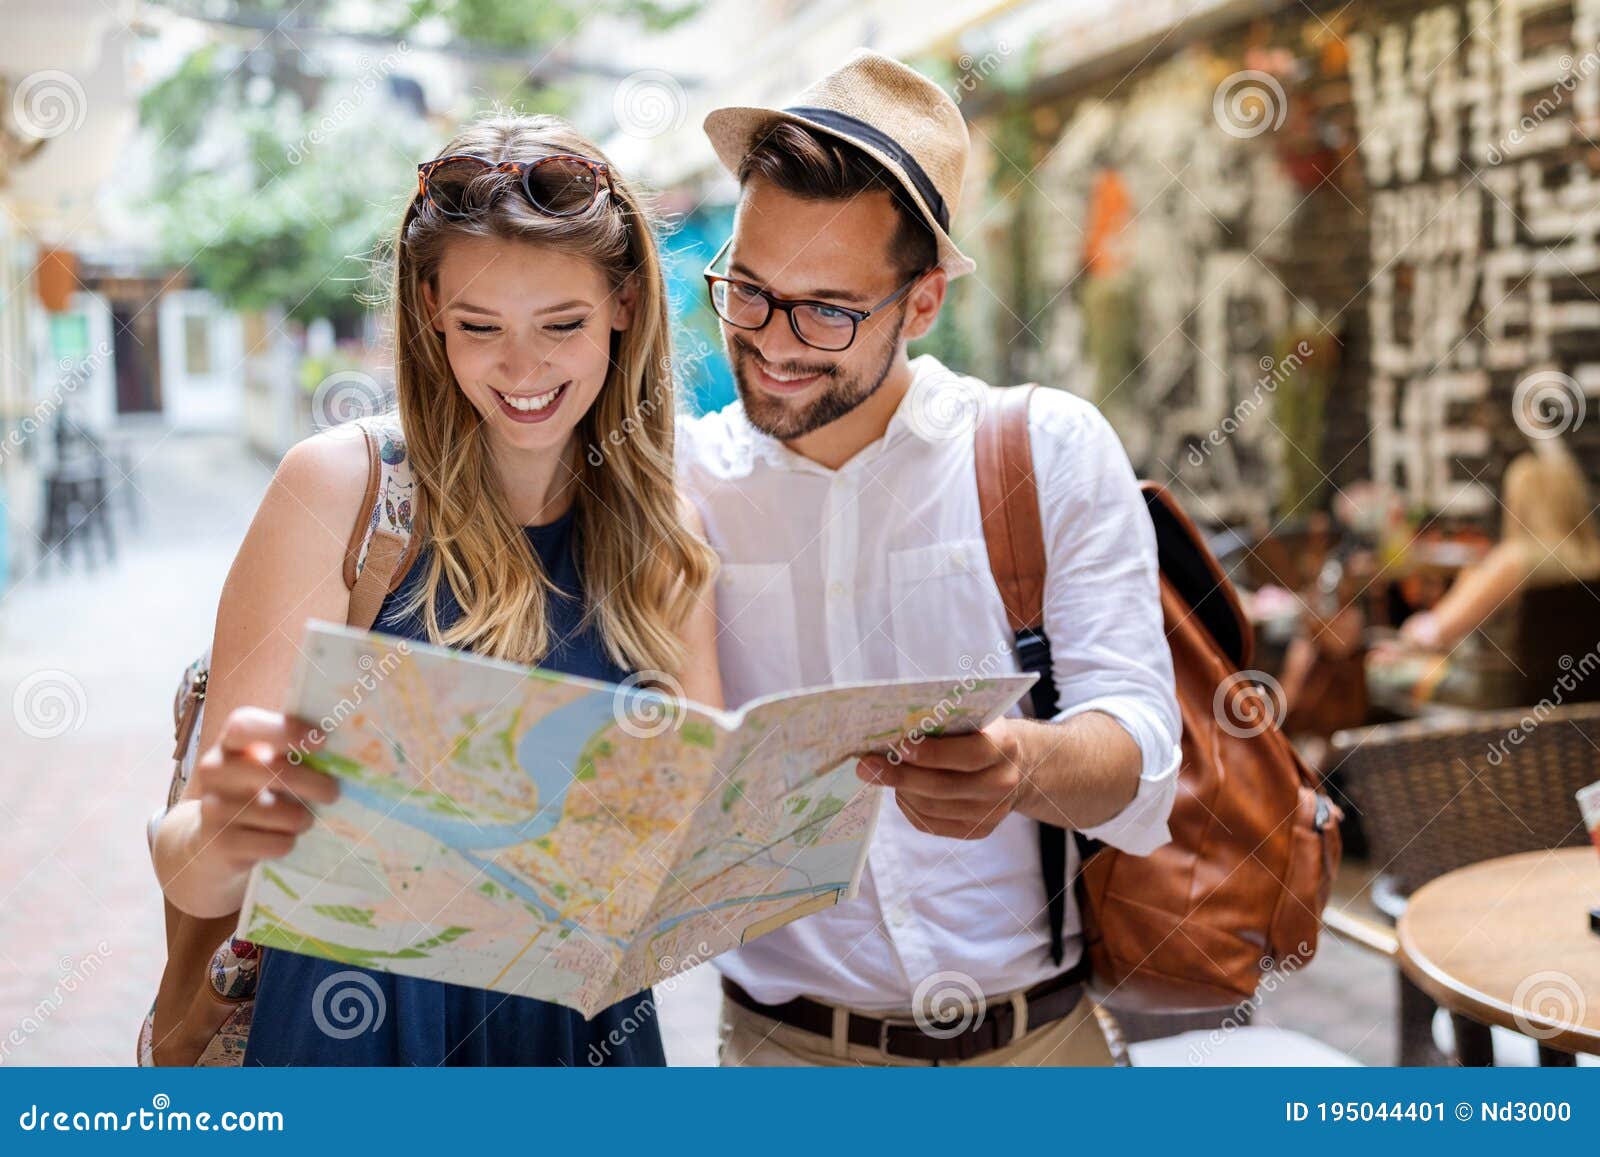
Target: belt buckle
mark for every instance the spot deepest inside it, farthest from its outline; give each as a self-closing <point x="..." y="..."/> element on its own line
<point x="886" y="1023"/>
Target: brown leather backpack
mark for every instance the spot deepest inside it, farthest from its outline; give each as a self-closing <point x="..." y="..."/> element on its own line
<point x="1255" y="843"/>
<point x="203" y="1007"/>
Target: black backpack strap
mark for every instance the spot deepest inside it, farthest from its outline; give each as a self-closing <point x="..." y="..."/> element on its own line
<point x="1033" y="654"/>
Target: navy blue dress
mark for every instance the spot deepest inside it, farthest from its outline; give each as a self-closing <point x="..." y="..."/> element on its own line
<point x="426" y="1022"/>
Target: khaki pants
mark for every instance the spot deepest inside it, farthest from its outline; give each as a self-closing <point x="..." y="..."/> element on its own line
<point x="749" y="1039"/>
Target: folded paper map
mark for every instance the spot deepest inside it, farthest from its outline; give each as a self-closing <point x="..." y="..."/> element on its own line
<point x="519" y="830"/>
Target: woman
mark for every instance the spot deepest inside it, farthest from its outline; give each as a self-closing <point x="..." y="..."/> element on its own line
<point x="1462" y="650"/>
<point x="530" y="321"/>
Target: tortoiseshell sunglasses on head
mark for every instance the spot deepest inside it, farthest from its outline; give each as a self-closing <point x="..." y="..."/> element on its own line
<point x="560" y="185"/>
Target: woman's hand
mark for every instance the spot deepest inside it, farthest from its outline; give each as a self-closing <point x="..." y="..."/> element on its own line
<point x="254" y="788"/>
<point x="1422" y="630"/>
<point x="249" y="799"/>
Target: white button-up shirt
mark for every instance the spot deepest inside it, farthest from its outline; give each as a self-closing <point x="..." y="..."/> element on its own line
<point x="879" y="570"/>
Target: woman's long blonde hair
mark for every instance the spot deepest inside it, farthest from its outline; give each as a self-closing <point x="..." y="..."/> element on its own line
<point x="642" y="568"/>
<point x="1547" y="511"/>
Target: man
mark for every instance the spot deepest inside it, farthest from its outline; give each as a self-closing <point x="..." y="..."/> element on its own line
<point x="840" y="493"/>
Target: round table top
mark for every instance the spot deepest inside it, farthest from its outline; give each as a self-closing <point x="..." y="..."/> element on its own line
<point x="1507" y="942"/>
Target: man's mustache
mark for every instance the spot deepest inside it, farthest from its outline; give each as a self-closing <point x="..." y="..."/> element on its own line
<point x="789" y="369"/>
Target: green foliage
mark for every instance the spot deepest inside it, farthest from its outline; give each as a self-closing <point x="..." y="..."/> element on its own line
<point x="275" y="183"/>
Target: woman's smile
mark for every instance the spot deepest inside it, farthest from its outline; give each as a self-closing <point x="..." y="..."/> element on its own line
<point x="531" y="407"/>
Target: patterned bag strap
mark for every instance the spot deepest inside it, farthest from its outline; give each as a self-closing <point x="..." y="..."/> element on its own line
<point x="383" y="544"/>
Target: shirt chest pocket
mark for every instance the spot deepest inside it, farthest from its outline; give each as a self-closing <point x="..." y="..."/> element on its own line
<point x="757" y="646"/>
<point x="944" y="606"/>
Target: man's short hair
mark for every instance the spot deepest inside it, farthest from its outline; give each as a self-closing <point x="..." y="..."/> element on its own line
<point x="819" y="166"/>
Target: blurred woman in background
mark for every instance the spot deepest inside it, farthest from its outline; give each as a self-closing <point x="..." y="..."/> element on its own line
<point x="1463" y="649"/>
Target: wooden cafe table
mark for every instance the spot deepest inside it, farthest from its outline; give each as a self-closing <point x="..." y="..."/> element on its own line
<point x="1507" y="942"/>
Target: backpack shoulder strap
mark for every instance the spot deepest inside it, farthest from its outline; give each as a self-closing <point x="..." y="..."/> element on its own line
<point x="1008" y="498"/>
<point x="1013" y="532"/>
<point x="383" y="543"/>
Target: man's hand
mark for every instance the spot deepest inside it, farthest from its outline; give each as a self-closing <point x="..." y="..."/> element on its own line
<point x="1074" y="774"/>
<point x="959" y="786"/>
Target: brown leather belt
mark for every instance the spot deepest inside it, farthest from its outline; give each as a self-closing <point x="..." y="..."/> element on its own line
<point x="1048" y="1001"/>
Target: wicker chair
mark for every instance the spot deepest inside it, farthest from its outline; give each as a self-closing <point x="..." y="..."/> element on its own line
<point x="1556" y="627"/>
<point x="1437" y="794"/>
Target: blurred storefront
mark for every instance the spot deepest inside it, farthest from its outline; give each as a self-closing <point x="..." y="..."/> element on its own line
<point x="1289" y="247"/>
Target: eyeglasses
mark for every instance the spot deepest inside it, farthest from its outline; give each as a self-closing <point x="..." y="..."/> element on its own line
<point x="819" y="324"/>
<point x="560" y="185"/>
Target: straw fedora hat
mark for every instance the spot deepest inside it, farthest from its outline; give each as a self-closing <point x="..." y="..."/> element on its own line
<point x="892" y="113"/>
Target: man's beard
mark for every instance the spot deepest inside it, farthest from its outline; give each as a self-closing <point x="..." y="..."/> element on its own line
<point x="840" y="393"/>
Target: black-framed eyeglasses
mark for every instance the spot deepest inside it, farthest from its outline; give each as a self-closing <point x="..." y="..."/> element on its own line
<point x="558" y="185"/>
<point x="819" y="324"/>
